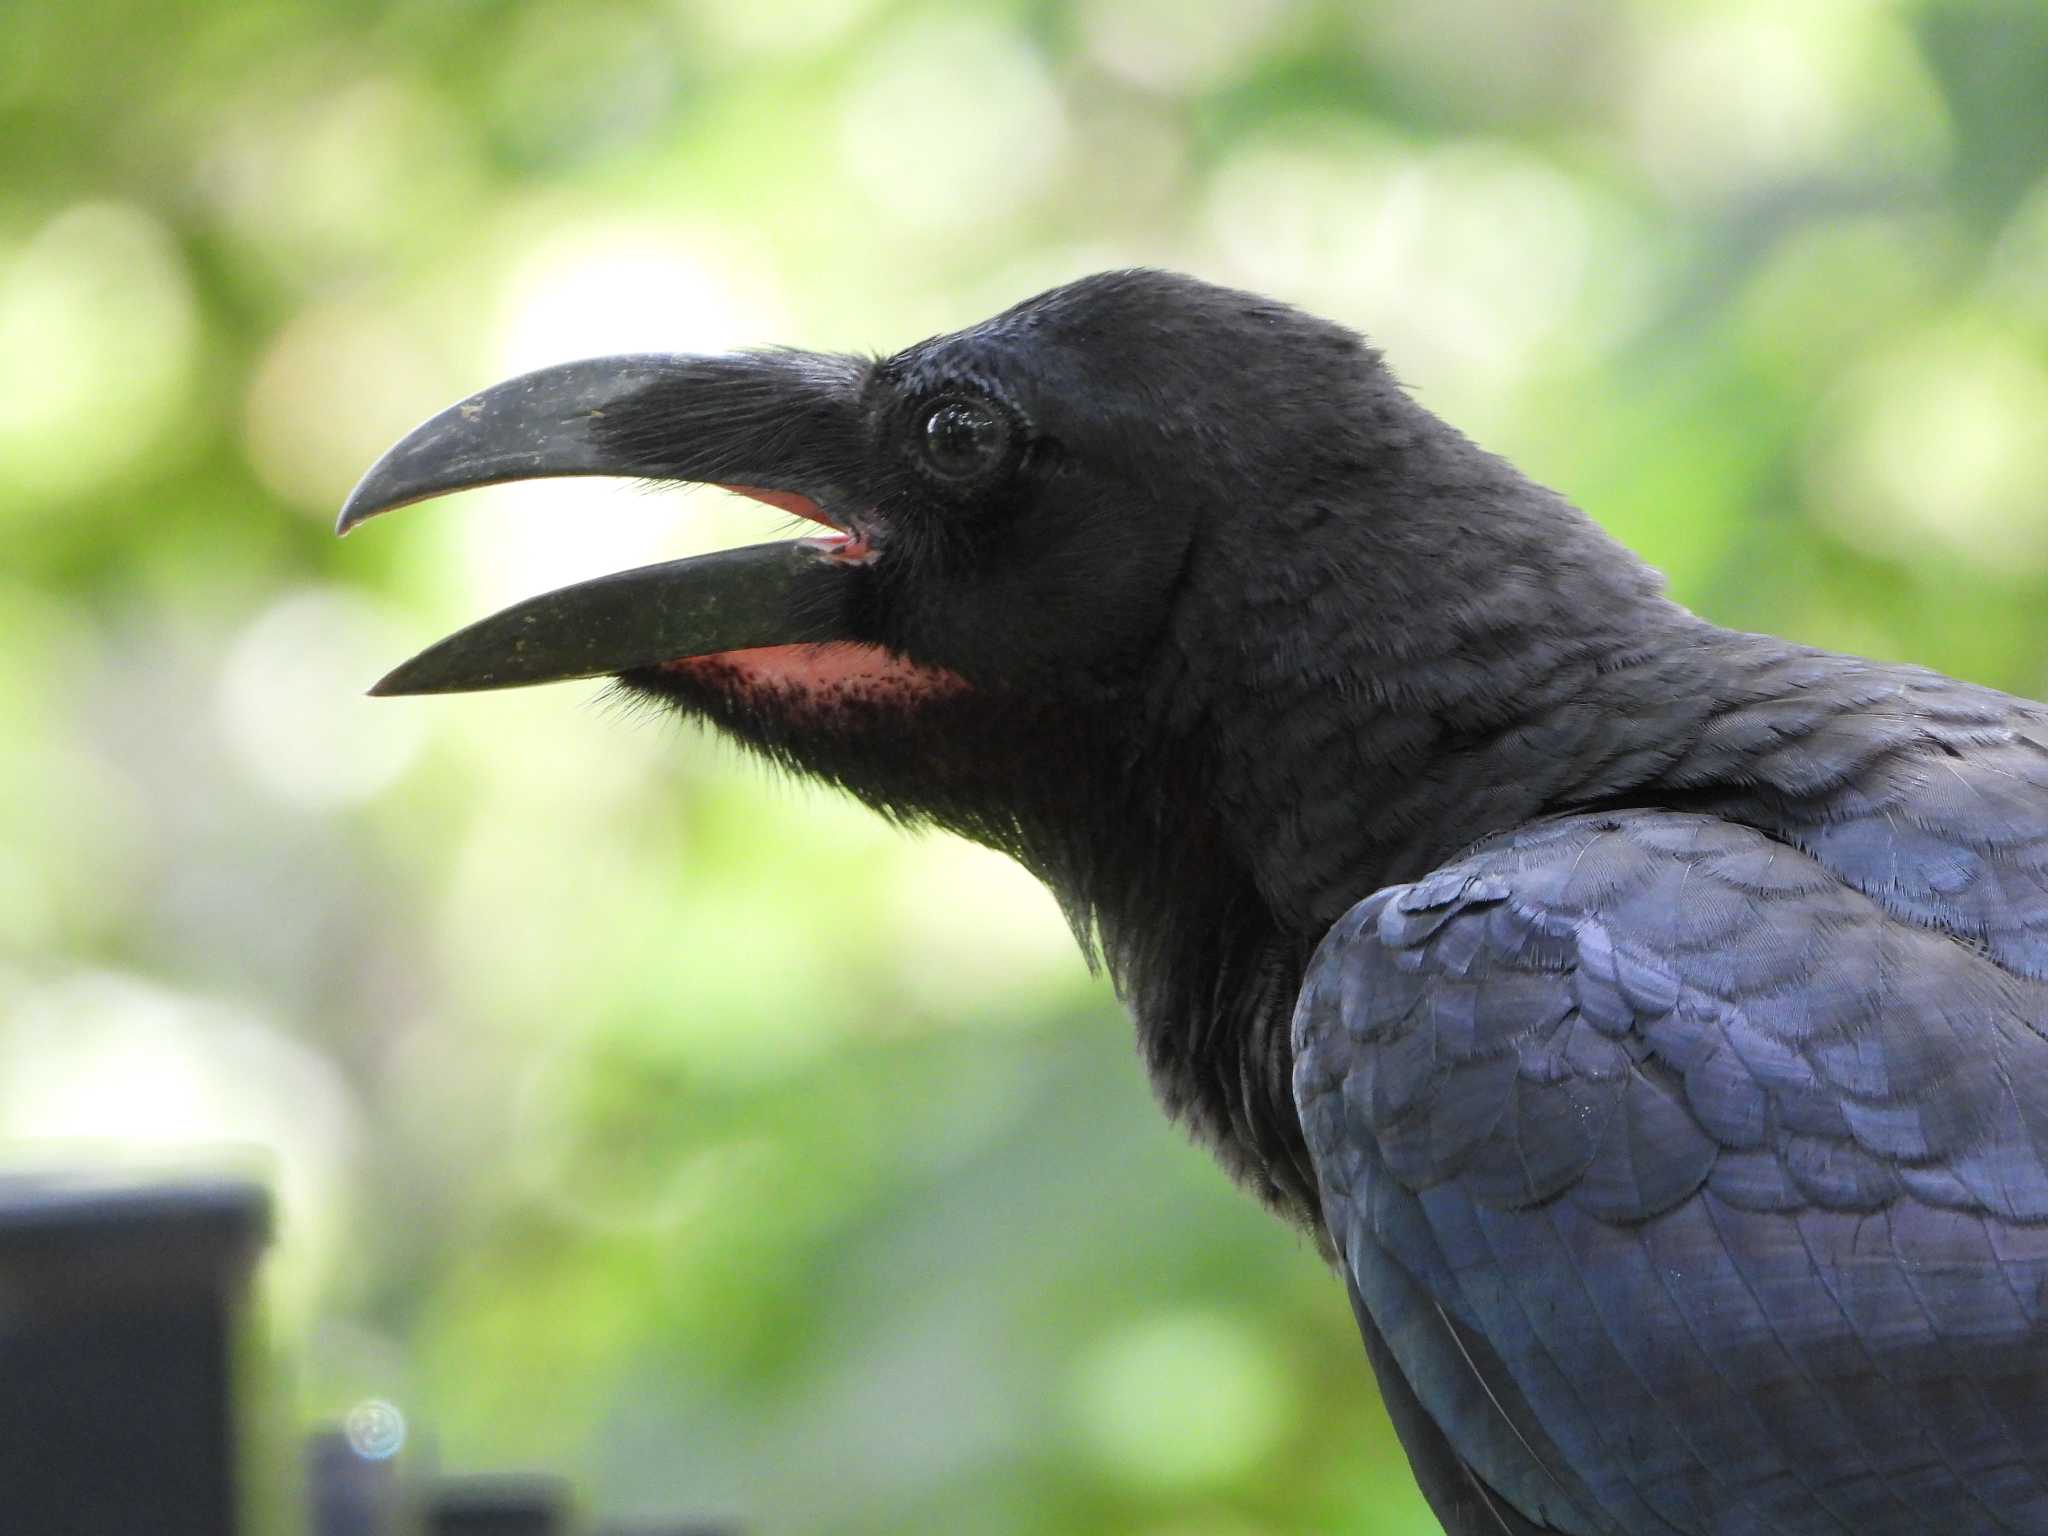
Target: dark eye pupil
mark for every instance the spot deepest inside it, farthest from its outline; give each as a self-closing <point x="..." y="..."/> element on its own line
<point x="961" y="438"/>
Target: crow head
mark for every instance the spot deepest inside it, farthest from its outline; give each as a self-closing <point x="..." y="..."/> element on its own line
<point x="1013" y="507"/>
<point x="1157" y="586"/>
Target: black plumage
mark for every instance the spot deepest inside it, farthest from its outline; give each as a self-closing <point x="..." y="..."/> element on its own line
<point x="1648" y="1017"/>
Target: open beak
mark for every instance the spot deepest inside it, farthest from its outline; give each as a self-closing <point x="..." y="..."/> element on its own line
<point x="782" y="426"/>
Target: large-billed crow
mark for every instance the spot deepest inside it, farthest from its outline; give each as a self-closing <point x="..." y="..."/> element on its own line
<point x="1648" y="1017"/>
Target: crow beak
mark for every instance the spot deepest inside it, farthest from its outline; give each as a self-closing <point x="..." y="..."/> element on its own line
<point x="783" y="426"/>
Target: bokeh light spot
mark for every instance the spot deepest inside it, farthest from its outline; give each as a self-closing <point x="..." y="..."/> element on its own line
<point x="1735" y="96"/>
<point x="593" y="288"/>
<point x="337" y="385"/>
<point x="375" y="1429"/>
<point x="313" y="174"/>
<point x="1472" y="265"/>
<point x="953" y="124"/>
<point x="1942" y="437"/>
<point x="97" y="335"/>
<point x="973" y="928"/>
<point x="292" y="703"/>
<point x="573" y="76"/>
<point x="1178" y="45"/>
<point x="1182" y="1400"/>
<point x="771" y="27"/>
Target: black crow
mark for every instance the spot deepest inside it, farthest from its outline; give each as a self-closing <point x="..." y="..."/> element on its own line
<point x="1648" y="1018"/>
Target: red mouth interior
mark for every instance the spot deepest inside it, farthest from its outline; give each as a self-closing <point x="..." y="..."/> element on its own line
<point x="839" y="543"/>
<point x="836" y="670"/>
<point x="783" y="501"/>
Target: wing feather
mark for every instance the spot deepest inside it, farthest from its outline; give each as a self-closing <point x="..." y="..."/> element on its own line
<point x="1729" y="1186"/>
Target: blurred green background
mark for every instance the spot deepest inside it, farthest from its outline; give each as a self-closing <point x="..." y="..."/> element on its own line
<point x="642" y="1116"/>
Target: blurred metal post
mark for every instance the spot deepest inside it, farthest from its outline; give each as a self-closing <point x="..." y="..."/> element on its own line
<point x="348" y="1493"/>
<point x="120" y="1307"/>
<point x="498" y="1506"/>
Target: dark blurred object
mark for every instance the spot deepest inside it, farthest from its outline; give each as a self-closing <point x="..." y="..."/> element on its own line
<point x="119" y="1309"/>
<point x="498" y="1506"/>
<point x="348" y="1493"/>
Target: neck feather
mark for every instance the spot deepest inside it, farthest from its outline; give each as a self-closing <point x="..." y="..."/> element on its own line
<point x="1406" y="677"/>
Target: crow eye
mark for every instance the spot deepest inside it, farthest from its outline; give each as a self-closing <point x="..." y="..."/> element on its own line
<point x="965" y="438"/>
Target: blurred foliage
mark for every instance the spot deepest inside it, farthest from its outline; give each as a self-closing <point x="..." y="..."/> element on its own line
<point x="642" y="1116"/>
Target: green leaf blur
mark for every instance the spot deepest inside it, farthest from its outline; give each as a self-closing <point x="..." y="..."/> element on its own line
<point x="642" y="1116"/>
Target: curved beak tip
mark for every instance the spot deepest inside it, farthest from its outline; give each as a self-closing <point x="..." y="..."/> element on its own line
<point x="353" y="511"/>
<point x="385" y="487"/>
